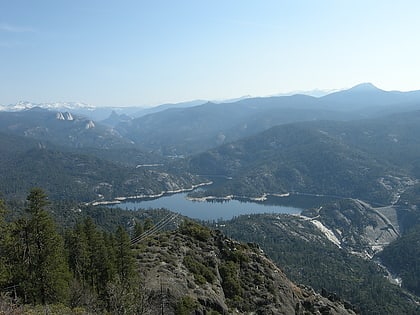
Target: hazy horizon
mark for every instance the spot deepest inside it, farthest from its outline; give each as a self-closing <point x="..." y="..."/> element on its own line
<point x="139" y="53"/>
<point x="314" y="93"/>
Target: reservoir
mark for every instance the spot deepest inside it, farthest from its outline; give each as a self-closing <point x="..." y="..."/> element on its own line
<point x="226" y="209"/>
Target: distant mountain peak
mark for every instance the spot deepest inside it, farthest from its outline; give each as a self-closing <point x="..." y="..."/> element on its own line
<point x="364" y="87"/>
<point x="63" y="106"/>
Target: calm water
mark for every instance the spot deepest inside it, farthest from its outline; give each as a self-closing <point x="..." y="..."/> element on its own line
<point x="214" y="210"/>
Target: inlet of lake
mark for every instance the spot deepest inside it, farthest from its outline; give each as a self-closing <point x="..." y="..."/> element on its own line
<point x="226" y="209"/>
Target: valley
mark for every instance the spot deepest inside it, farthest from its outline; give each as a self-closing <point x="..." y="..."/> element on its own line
<point x="327" y="188"/>
<point x="209" y="158"/>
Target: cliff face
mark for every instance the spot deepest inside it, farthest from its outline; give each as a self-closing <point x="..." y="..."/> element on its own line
<point x="357" y="226"/>
<point x="197" y="271"/>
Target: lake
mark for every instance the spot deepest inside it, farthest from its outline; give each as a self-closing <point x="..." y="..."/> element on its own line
<point x="214" y="210"/>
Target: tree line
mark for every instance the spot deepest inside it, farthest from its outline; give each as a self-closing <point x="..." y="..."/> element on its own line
<point x="81" y="267"/>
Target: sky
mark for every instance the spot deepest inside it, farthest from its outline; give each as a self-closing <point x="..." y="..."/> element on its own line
<point x="138" y="53"/>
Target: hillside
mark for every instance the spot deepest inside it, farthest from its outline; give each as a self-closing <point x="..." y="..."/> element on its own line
<point x="181" y="131"/>
<point x="27" y="163"/>
<point x="296" y="158"/>
<point x="195" y="269"/>
<point x="60" y="128"/>
<point x="402" y="257"/>
<point x="391" y="138"/>
<point x="68" y="132"/>
<point x="307" y="255"/>
<point x="186" y="131"/>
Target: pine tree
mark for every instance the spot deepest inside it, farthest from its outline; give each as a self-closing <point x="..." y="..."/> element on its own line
<point x="138" y="229"/>
<point x="148" y="224"/>
<point x="124" y="256"/>
<point x="123" y="292"/>
<point x="4" y="244"/>
<point x="42" y="270"/>
<point x="78" y="253"/>
<point x="100" y="267"/>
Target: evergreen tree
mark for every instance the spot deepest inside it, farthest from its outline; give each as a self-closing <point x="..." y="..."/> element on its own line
<point x="78" y="253"/>
<point x="4" y="244"/>
<point x="124" y="292"/>
<point x="42" y="271"/>
<point x="124" y="257"/>
<point x="148" y="224"/>
<point x="138" y="229"/>
<point x="99" y="270"/>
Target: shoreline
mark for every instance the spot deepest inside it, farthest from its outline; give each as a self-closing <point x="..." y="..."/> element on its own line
<point x="263" y="197"/>
<point x="118" y="200"/>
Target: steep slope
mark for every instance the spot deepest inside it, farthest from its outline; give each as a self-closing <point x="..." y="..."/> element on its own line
<point x="181" y="131"/>
<point x="395" y="138"/>
<point x="60" y="128"/>
<point x="185" y="131"/>
<point x="202" y="272"/>
<point x="295" y="158"/>
<point x="25" y="163"/>
<point x="368" y="97"/>
<point x="76" y="134"/>
<point x="356" y="226"/>
<point x="402" y="257"/>
<point x="307" y="255"/>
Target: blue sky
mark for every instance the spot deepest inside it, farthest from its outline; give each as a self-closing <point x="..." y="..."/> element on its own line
<point x="126" y="53"/>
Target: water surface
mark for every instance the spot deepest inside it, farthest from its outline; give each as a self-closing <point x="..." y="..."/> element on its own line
<point x="214" y="210"/>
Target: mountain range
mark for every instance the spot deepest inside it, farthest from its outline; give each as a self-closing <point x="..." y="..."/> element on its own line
<point x="281" y="144"/>
<point x="358" y="146"/>
<point x="181" y="131"/>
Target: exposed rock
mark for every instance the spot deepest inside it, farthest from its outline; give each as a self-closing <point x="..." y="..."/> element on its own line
<point x="90" y="124"/>
<point x="219" y="275"/>
<point x="359" y="227"/>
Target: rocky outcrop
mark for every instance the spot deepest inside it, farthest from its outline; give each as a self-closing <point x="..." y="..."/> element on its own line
<point x="357" y="226"/>
<point x="198" y="271"/>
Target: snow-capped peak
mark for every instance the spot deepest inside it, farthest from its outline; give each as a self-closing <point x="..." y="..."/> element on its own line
<point x="61" y="106"/>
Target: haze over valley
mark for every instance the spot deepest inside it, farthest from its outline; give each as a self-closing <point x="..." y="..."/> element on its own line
<point x="356" y="150"/>
<point x="215" y="157"/>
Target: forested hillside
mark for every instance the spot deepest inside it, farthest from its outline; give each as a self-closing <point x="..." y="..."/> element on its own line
<point x="187" y="131"/>
<point x="403" y="259"/>
<point x="86" y="270"/>
<point x="305" y="254"/>
<point x="26" y="163"/>
<point x="365" y="173"/>
<point x="297" y="158"/>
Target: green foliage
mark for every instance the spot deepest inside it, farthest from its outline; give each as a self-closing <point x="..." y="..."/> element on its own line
<point x="41" y="268"/>
<point x="5" y="267"/>
<point x="124" y="259"/>
<point x="77" y="247"/>
<point x="327" y="158"/>
<point x="103" y="266"/>
<point x="320" y="265"/>
<point x="186" y="306"/>
<point x="52" y="309"/>
<point x="75" y="176"/>
<point x="202" y="273"/>
<point x="230" y="280"/>
<point x="403" y="258"/>
<point x="138" y="229"/>
<point x="99" y="267"/>
<point x="148" y="224"/>
<point x="236" y="255"/>
<point x="195" y="230"/>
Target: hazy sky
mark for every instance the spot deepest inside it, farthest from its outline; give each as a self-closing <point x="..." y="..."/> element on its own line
<point x="149" y="52"/>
